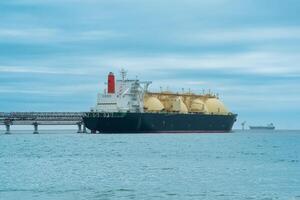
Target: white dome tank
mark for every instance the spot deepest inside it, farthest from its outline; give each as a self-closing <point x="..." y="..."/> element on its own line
<point x="178" y="105"/>
<point x="153" y="104"/>
<point x="215" y="106"/>
<point x="198" y="106"/>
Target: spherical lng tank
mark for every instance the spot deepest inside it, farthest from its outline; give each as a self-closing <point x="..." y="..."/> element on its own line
<point x="198" y="106"/>
<point x="215" y="106"/>
<point x="178" y="105"/>
<point x="153" y="104"/>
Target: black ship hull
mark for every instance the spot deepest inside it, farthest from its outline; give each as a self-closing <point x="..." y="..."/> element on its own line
<point x="157" y="122"/>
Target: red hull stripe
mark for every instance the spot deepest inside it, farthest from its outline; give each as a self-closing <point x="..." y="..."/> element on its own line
<point x="168" y="132"/>
<point x="190" y="132"/>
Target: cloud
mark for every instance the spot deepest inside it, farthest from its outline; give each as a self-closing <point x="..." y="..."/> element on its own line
<point x="39" y="70"/>
<point x="212" y="2"/>
<point x="263" y="63"/>
<point x="48" y="35"/>
<point x="240" y="35"/>
<point x="48" y="90"/>
<point x="197" y="83"/>
<point x="33" y="34"/>
<point x="48" y="2"/>
<point x="255" y="63"/>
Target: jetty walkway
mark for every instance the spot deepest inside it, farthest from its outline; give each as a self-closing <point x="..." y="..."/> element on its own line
<point x="42" y="118"/>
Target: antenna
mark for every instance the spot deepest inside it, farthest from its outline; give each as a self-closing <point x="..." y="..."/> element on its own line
<point x="147" y="85"/>
<point x="123" y="74"/>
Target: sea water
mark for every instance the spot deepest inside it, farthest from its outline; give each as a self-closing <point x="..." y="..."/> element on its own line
<point x="66" y="165"/>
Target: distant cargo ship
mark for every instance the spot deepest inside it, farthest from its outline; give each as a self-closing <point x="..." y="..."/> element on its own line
<point x="128" y="107"/>
<point x="268" y="127"/>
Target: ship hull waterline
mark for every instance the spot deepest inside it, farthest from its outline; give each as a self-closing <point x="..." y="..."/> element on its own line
<point x="261" y="128"/>
<point x="158" y="122"/>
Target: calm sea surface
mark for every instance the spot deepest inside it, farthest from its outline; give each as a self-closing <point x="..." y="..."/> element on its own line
<point x="239" y="165"/>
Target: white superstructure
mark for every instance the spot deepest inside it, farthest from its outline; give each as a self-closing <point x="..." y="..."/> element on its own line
<point x="122" y="96"/>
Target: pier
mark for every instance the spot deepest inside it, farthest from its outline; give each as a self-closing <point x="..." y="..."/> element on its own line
<point x="42" y="118"/>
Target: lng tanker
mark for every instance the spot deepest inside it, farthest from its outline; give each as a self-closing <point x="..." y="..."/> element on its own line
<point x="268" y="127"/>
<point x="128" y="107"/>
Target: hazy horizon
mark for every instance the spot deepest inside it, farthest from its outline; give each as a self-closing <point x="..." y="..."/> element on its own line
<point x="55" y="55"/>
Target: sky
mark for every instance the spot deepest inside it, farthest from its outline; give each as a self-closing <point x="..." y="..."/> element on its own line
<point x="55" y="54"/>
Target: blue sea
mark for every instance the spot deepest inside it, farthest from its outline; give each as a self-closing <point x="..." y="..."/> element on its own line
<point x="59" y="165"/>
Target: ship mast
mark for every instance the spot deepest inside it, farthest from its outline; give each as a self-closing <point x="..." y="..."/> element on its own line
<point x="123" y="74"/>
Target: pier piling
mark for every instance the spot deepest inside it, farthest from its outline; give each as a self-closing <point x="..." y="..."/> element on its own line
<point x="79" y="127"/>
<point x="7" y="128"/>
<point x="35" y="125"/>
<point x="7" y="124"/>
<point x="84" y="129"/>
